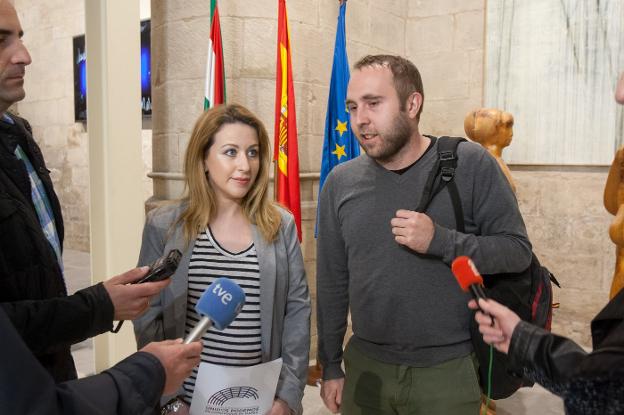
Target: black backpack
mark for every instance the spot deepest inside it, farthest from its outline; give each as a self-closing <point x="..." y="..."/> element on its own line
<point x="527" y="293"/>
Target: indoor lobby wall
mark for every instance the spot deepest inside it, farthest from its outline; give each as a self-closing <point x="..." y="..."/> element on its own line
<point x="49" y="28"/>
<point x="446" y="39"/>
<point x="49" y="106"/>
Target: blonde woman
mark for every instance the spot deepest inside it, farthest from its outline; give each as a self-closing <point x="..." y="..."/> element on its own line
<point x="227" y="226"/>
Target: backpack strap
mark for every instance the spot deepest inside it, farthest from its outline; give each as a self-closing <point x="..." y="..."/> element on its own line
<point x="442" y="175"/>
<point x="457" y="206"/>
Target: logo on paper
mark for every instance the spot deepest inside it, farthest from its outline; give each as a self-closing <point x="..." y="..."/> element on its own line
<point x="237" y="392"/>
<point x="217" y="401"/>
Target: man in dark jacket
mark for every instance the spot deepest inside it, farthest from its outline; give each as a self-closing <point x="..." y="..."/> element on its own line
<point x="31" y="235"/>
<point x="589" y="383"/>
<point x="131" y="387"/>
<point x="50" y="326"/>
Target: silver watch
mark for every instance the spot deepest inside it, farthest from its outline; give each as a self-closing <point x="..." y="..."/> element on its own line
<point x="172" y="407"/>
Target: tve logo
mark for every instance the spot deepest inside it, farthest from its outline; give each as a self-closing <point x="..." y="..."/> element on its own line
<point x="221" y="302"/>
<point x="225" y="296"/>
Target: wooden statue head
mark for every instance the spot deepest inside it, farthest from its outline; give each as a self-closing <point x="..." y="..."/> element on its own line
<point x="489" y="127"/>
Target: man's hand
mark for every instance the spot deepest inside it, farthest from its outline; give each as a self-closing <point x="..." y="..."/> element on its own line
<point x="279" y="407"/>
<point x="505" y="321"/>
<point x="331" y="392"/>
<point x="177" y="358"/>
<point x="130" y="301"/>
<point x="413" y="229"/>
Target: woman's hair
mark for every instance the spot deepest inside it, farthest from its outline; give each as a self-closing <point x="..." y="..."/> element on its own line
<point x="200" y="196"/>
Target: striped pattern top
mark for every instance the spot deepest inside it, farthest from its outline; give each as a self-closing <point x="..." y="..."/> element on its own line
<point x="240" y="343"/>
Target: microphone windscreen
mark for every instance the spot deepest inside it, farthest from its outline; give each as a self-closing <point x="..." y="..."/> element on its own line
<point x="221" y="302"/>
<point x="466" y="273"/>
<point x="175" y="256"/>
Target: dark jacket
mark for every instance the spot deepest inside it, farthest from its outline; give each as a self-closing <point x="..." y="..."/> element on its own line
<point x="131" y="387"/>
<point x="589" y="383"/>
<point x="29" y="269"/>
<point x="53" y="325"/>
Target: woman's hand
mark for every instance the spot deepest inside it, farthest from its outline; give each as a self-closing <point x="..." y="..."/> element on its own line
<point x="505" y="321"/>
<point x="279" y="407"/>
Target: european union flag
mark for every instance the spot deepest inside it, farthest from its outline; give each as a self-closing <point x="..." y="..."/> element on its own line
<point x="340" y="143"/>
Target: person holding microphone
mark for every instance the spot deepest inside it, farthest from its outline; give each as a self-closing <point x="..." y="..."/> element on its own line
<point x="131" y="387"/>
<point x="588" y="383"/>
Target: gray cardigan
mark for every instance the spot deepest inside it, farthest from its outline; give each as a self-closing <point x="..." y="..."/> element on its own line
<point x="284" y="297"/>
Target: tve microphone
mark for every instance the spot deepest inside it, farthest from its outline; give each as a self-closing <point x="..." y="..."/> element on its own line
<point x="468" y="277"/>
<point x="219" y="305"/>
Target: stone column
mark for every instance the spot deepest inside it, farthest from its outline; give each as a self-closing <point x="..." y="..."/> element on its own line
<point x="180" y="33"/>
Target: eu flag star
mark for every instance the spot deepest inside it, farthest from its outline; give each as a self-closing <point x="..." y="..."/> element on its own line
<point x="341" y="127"/>
<point x="339" y="151"/>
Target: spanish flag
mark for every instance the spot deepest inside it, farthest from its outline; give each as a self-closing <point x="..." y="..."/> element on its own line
<point x="286" y="153"/>
<point x="214" y="91"/>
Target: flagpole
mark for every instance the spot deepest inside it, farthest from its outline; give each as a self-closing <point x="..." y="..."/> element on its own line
<point x="274" y="180"/>
<point x="315" y="372"/>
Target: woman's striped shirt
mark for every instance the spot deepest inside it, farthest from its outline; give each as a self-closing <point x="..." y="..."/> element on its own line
<point x="240" y="343"/>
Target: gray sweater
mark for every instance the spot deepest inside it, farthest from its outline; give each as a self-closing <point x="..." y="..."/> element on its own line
<point x="407" y="308"/>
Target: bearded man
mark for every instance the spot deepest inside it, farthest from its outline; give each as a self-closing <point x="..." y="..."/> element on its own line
<point x="411" y="350"/>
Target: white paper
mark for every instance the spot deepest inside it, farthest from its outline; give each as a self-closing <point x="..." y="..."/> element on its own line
<point x="223" y="390"/>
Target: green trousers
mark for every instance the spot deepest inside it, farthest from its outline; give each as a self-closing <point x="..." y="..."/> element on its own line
<point x="373" y="387"/>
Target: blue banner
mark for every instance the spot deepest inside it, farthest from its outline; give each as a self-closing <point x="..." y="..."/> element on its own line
<point x="339" y="144"/>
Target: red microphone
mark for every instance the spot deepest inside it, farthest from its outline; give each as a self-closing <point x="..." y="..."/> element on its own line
<point x="469" y="279"/>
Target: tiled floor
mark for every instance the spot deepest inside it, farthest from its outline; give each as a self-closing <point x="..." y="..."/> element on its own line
<point x="534" y="400"/>
<point x="78" y="275"/>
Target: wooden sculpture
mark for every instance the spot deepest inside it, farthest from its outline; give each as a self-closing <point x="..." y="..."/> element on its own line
<point x="614" y="202"/>
<point x="493" y="129"/>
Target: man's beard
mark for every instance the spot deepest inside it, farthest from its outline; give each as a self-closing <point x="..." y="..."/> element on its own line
<point x="392" y="141"/>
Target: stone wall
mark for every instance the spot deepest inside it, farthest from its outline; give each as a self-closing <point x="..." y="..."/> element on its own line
<point x="445" y="39"/>
<point x="49" y="107"/>
<point x="49" y="27"/>
<point x="180" y="28"/>
<point x="568" y="226"/>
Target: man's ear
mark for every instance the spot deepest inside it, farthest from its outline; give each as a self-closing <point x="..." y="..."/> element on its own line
<point x="414" y="103"/>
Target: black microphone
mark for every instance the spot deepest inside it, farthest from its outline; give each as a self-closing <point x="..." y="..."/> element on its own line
<point x="163" y="268"/>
